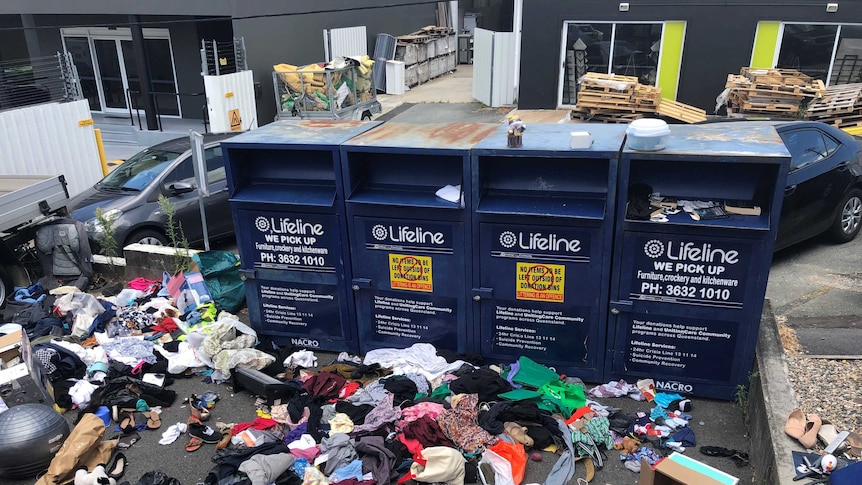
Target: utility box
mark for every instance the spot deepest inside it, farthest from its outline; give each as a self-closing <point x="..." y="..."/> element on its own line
<point x="288" y="207"/>
<point x="409" y="246"/>
<point x="686" y="295"/>
<point x="543" y="227"/>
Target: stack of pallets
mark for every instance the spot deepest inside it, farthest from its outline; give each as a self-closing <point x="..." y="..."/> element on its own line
<point x="427" y="53"/>
<point x="841" y="106"/>
<point x="777" y="93"/>
<point x="621" y="99"/>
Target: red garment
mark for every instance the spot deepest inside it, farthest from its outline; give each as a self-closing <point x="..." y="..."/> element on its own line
<point x="348" y="390"/>
<point x="143" y="284"/>
<point x="258" y="423"/>
<point x="168" y="325"/>
<point x="412" y="445"/>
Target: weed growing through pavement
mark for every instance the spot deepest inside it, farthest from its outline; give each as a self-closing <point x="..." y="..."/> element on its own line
<point x="176" y="236"/>
<point x="107" y="240"/>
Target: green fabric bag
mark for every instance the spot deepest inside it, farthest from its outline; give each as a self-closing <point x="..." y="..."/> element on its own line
<point x="533" y="374"/>
<point x="567" y="397"/>
<point x="220" y="270"/>
<point x="533" y="396"/>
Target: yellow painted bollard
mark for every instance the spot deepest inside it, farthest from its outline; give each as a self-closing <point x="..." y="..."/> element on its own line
<point x="101" y="151"/>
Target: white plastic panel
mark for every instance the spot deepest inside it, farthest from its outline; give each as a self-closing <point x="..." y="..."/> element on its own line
<point x="503" y="75"/>
<point x="51" y="139"/>
<point x="346" y="42"/>
<point x="228" y="93"/>
<point x="494" y="64"/>
<point x="483" y="51"/>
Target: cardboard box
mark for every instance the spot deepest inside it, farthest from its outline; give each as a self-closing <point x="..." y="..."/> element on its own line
<point x="21" y="378"/>
<point x="678" y="469"/>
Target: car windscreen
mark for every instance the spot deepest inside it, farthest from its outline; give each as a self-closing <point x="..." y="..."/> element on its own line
<point x="138" y="171"/>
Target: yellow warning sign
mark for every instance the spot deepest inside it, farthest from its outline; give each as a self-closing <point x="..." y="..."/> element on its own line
<point x="410" y="272"/>
<point x="540" y="282"/>
<point x="87" y="122"/>
<point x="235" y="120"/>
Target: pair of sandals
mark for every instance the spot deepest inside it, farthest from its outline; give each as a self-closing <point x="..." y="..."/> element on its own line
<point x="808" y="430"/>
<point x="126" y="419"/>
<point x="803" y="428"/>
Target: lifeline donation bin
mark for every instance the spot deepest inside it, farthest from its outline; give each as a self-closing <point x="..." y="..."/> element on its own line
<point x="288" y="207"/>
<point x="407" y="190"/>
<point x="688" y="287"/>
<point x="543" y="227"/>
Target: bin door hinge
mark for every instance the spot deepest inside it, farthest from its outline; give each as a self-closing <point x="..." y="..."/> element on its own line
<point x="361" y="284"/>
<point x="480" y="294"/>
<point x="247" y="274"/>
<point x="618" y="307"/>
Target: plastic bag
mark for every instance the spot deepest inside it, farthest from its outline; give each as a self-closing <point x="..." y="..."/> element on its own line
<point x="220" y="270"/>
<point x="515" y="457"/>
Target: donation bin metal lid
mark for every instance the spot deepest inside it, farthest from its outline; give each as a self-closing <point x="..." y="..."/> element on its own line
<point x="304" y="132"/>
<point x="742" y="139"/>
<point x="451" y="136"/>
<point x="555" y="139"/>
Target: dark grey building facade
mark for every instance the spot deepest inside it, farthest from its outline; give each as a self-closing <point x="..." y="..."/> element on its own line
<point x="99" y="34"/>
<point x="687" y="47"/>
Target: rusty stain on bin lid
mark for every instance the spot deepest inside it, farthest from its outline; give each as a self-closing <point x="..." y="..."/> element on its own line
<point x="330" y="123"/>
<point x="427" y="135"/>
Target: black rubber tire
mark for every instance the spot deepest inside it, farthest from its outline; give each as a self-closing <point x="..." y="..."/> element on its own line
<point x="5" y="287"/>
<point x="366" y="116"/>
<point x="151" y="236"/>
<point x="848" y="218"/>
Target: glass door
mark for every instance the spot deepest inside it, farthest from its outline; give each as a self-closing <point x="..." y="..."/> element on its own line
<point x="79" y="48"/>
<point x="112" y="74"/>
<point x="107" y="67"/>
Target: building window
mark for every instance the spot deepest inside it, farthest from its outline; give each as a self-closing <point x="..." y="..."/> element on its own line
<point x="629" y="49"/>
<point x="829" y="52"/>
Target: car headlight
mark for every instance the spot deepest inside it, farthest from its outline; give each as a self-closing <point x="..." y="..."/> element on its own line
<point x="94" y="225"/>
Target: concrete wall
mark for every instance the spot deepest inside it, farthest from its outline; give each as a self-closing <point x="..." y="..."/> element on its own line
<point x="298" y="38"/>
<point x="719" y="38"/>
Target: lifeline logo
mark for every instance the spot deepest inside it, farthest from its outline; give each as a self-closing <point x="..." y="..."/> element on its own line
<point x="305" y="342"/>
<point x="674" y="386"/>
<point x="286" y="225"/>
<point x="538" y="241"/>
<point x="405" y="234"/>
<point x="689" y="251"/>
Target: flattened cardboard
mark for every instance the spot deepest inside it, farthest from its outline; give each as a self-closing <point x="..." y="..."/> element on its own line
<point x="671" y="472"/>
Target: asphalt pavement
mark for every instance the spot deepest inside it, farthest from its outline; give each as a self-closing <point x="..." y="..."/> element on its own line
<point x="816" y="289"/>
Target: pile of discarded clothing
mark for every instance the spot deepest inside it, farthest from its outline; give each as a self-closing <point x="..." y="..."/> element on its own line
<point x="406" y="415"/>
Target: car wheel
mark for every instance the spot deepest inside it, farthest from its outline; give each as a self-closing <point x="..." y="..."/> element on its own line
<point x="366" y="116"/>
<point x="848" y="219"/>
<point x="5" y="287"/>
<point x="153" y="238"/>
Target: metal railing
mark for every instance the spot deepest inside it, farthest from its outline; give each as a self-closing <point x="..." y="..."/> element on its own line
<point x="131" y="102"/>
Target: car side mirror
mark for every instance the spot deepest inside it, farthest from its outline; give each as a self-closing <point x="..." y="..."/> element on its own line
<point x="178" y="188"/>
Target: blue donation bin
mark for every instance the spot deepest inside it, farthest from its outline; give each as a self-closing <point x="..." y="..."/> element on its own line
<point x="543" y="228"/>
<point x="695" y="228"/>
<point x="407" y="189"/>
<point x="288" y="208"/>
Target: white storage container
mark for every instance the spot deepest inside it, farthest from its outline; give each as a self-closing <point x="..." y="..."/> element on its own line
<point x="647" y="134"/>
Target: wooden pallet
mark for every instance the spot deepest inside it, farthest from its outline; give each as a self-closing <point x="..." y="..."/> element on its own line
<point x="776" y="76"/>
<point x="840" y="99"/>
<point x="680" y="111"/>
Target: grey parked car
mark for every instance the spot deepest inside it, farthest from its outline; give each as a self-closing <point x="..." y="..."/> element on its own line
<point x="130" y="194"/>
